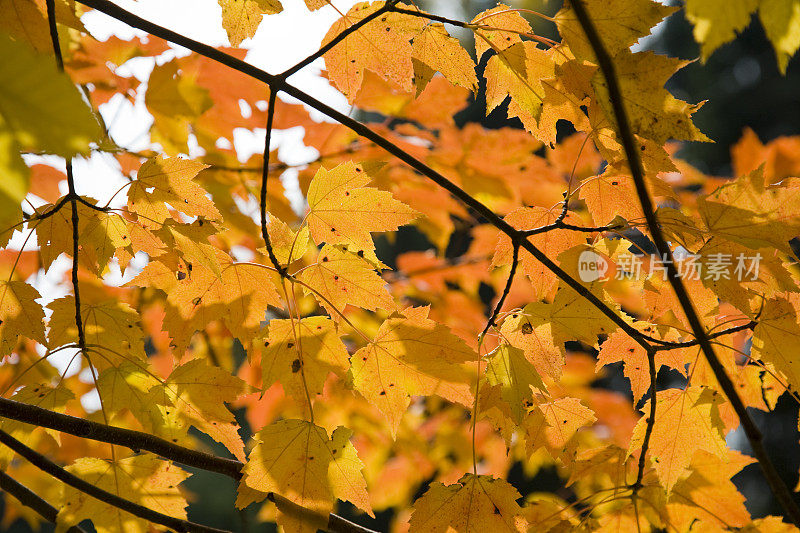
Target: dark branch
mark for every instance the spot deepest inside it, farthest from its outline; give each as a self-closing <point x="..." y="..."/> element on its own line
<point x="28" y="498"/>
<point x="754" y="436"/>
<point x="651" y="419"/>
<point x="46" y="465"/>
<point x="264" y="178"/>
<point x="506" y="290"/>
<point x="558" y="224"/>
<point x="137" y="441"/>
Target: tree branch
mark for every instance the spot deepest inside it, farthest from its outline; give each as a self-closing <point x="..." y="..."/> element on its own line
<point x="506" y="290"/>
<point x="264" y="176"/>
<point x="137" y="441"/>
<point x="651" y="419"/>
<point x="754" y="436"/>
<point x="28" y="498"/>
<point x="46" y="465"/>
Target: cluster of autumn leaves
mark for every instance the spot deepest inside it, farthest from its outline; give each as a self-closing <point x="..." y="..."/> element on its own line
<point x="369" y="384"/>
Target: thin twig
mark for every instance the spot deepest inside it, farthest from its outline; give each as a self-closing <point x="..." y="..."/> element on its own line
<point x="779" y="488"/>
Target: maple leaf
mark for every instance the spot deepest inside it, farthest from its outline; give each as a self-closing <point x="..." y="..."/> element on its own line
<point x="287" y="245"/>
<point x="503" y="29"/>
<point x="708" y="494"/>
<point x="239" y="297"/>
<point x="475" y="503"/>
<point x="553" y="424"/>
<point x="41" y="395"/>
<point x="621" y="347"/>
<point x="110" y="327"/>
<point x="164" y="181"/>
<point x="687" y="421"/>
<point x="126" y="387"/>
<point x="342" y="211"/>
<point x="753" y="213"/>
<point x="301" y="354"/>
<point x="619" y="23"/>
<point x="653" y="112"/>
<point x="297" y="460"/>
<point x="712" y="30"/>
<point x="241" y="18"/>
<point x="774" y="337"/>
<point x="436" y="50"/>
<point x="411" y="355"/>
<point x="40" y="109"/>
<point x="382" y="46"/>
<point x="516" y="72"/>
<point x="551" y="243"/>
<point x="174" y="100"/>
<point x="195" y="394"/>
<point x="142" y="479"/>
<point x="341" y="278"/>
<point x="19" y="315"/>
<point x="535" y="339"/>
<point x="516" y="377"/>
<point x="100" y="234"/>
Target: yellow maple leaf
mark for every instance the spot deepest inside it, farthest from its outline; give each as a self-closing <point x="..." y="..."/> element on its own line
<point x="341" y="278"/>
<point x="753" y="213"/>
<point x="621" y="347"/>
<point x="142" y="479"/>
<point x="775" y="337"/>
<point x="295" y="458"/>
<point x="652" y="111"/>
<point x="239" y="297"/>
<point x="287" y="245"/>
<point x="535" y="339"/>
<point x="438" y="51"/>
<point x="20" y="315"/>
<point x="502" y="29"/>
<point x="100" y="235"/>
<point x="412" y="355"/>
<point x="241" y="18"/>
<point x="195" y="394"/>
<point x="40" y="108"/>
<point x="474" y="504"/>
<point x="553" y="424"/>
<point x="382" y="46"/>
<point x="174" y="100"/>
<point x="301" y="354"/>
<point x="686" y="421"/>
<point x="342" y="211"/>
<point x="111" y="327"/>
<point x="516" y="72"/>
<point x="711" y="28"/>
<point x="168" y="180"/>
<point x="126" y="387"/>
<point x="516" y="376"/>
<point x="619" y="24"/>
